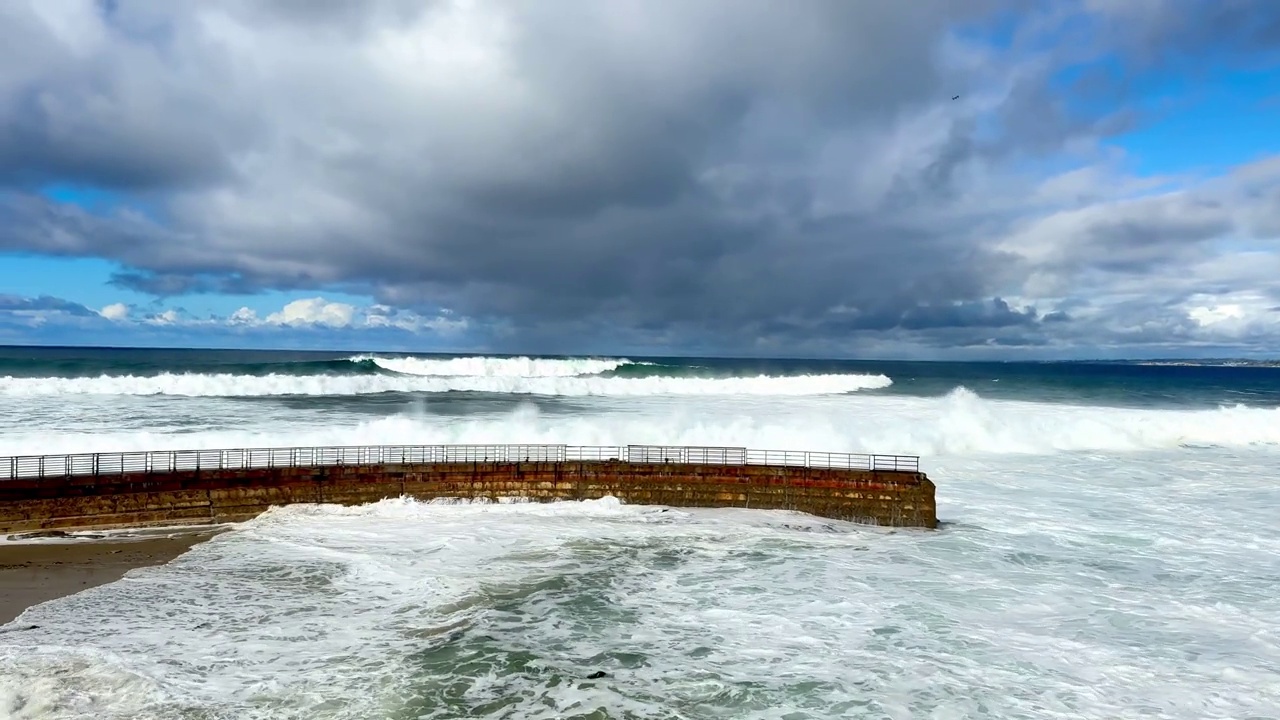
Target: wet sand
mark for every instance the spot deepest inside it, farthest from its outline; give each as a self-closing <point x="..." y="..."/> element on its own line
<point x="32" y="573"/>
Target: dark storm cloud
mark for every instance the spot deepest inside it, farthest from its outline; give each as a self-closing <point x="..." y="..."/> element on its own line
<point x="1169" y="31"/>
<point x="957" y="322"/>
<point x="80" y="103"/>
<point x="995" y="314"/>
<point x="165" y="285"/>
<point x="674" y="172"/>
<point x="31" y="222"/>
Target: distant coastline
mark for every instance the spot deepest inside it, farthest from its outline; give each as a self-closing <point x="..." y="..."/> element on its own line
<point x="1209" y="363"/>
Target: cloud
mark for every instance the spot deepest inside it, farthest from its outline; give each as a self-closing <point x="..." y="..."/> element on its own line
<point x="717" y="175"/>
<point x="311" y="323"/>
<point x="242" y="317"/>
<point x="165" y="317"/>
<point x="115" y="311"/>
<point x="318" y="312"/>
<point x="385" y="316"/>
<point x="313" y="311"/>
<point x="20" y="314"/>
<point x="42" y="305"/>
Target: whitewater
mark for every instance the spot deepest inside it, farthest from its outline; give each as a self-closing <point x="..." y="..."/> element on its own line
<point x="227" y="385"/>
<point x="1097" y="559"/>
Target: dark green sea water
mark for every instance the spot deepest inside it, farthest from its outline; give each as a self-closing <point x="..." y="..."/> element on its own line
<point x="1120" y="384"/>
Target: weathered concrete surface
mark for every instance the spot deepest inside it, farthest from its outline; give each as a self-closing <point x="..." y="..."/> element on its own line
<point x="892" y="498"/>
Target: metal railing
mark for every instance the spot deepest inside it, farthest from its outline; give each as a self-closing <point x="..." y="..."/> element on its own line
<point x="159" y="461"/>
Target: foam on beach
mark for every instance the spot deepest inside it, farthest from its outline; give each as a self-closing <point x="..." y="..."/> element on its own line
<point x="372" y="611"/>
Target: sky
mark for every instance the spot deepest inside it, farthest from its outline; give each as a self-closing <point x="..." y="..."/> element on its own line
<point x="936" y="179"/>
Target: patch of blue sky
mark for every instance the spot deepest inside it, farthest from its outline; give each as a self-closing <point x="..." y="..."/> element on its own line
<point x="100" y="201"/>
<point x="1206" y="125"/>
<point x="106" y="334"/>
<point x="88" y="282"/>
<point x="82" y="280"/>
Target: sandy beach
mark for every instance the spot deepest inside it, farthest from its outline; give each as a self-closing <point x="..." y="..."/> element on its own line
<point x="35" y="572"/>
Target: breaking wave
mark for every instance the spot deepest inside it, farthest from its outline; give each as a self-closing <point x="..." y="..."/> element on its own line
<point x="518" y="367"/>
<point x="958" y="424"/>
<point x="229" y="385"/>
<point x="368" y="364"/>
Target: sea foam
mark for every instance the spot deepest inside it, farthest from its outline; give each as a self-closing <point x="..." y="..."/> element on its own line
<point x="1083" y="592"/>
<point x="229" y="385"/>
<point x="958" y="424"/>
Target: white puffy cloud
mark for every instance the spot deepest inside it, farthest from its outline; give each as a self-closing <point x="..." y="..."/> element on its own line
<point x="115" y="311"/>
<point x="166" y="317"/>
<point x="385" y="316"/>
<point x="320" y="313"/>
<point x="313" y="311"/>
<point x="243" y="316"/>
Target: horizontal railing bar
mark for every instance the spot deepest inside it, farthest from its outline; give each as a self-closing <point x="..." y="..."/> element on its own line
<point x="117" y="463"/>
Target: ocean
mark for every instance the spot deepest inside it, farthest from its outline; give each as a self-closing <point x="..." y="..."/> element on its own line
<point x="1109" y="546"/>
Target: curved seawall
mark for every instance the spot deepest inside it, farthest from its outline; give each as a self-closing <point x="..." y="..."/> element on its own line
<point x="103" y="491"/>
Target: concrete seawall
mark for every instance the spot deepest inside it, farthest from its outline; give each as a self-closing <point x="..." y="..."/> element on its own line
<point x="884" y="497"/>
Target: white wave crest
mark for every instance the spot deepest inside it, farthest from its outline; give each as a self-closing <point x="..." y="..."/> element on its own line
<point x="497" y="366"/>
<point x="963" y="423"/>
<point x="227" y="385"/>
<point x="958" y="424"/>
